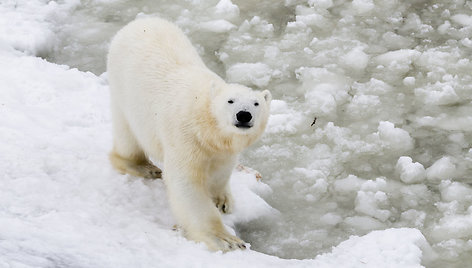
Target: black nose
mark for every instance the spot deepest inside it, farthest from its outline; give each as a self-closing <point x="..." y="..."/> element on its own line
<point x="243" y="116"/>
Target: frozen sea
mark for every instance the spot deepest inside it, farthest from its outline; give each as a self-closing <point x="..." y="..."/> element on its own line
<point x="366" y="160"/>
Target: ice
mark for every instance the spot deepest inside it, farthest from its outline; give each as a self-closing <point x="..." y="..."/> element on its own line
<point x="361" y="7"/>
<point x="351" y="183"/>
<point x="451" y="191"/>
<point x="367" y="203"/>
<point x="331" y="219"/>
<point x="363" y="223"/>
<point x="217" y="26"/>
<point x="282" y="119"/>
<point x="396" y="139"/>
<point x="410" y="172"/>
<point x="366" y="159"/>
<point x="442" y="169"/>
<point x="252" y="74"/>
<point x="462" y="19"/>
<point x="324" y="4"/>
<point x="356" y="59"/>
<point x="227" y="9"/>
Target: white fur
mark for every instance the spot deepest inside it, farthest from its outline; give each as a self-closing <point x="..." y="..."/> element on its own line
<point x="167" y="105"/>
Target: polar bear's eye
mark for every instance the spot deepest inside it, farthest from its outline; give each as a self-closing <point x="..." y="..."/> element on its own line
<point x="256" y="104"/>
<point x="230" y="101"/>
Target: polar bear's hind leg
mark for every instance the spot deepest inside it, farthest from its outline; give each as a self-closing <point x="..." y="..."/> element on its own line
<point x="127" y="156"/>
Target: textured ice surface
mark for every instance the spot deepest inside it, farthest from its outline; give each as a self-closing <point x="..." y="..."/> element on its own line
<point x="389" y="83"/>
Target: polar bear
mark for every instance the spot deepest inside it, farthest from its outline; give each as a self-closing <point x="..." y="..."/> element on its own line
<point x="168" y="106"/>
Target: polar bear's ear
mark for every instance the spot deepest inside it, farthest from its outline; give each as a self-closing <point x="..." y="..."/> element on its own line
<point x="267" y="95"/>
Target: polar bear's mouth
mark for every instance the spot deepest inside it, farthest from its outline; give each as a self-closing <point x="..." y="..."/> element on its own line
<point x="243" y="125"/>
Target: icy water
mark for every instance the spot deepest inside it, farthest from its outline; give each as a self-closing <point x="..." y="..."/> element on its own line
<point x="388" y="82"/>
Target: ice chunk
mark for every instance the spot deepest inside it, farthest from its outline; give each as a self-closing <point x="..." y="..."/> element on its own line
<point x="409" y="81"/>
<point x="462" y="19"/>
<point x="437" y="94"/>
<point x="414" y="217"/>
<point x="374" y="185"/>
<point x="258" y="74"/>
<point x="451" y="191"/>
<point x="453" y="226"/>
<point x="217" y="26"/>
<point x="362" y="105"/>
<point x="442" y="169"/>
<point x="257" y="26"/>
<point x="362" y="6"/>
<point x="227" y="9"/>
<point x="443" y="28"/>
<point x="395" y="41"/>
<point x="356" y="59"/>
<point x="324" y="90"/>
<point x="312" y="20"/>
<point x="402" y="57"/>
<point x="282" y="118"/>
<point x="466" y="42"/>
<point x="271" y="52"/>
<point x="331" y="219"/>
<point x="321" y="99"/>
<point x="408" y="171"/>
<point x="394" y="138"/>
<point x="349" y="184"/>
<point x="461" y="121"/>
<point x="367" y="203"/>
<point x="432" y="58"/>
<point x="324" y="4"/>
<point x="247" y="192"/>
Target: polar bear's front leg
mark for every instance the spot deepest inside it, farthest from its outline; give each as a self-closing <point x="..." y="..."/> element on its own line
<point x="194" y="209"/>
<point x="218" y="183"/>
<point x="224" y="200"/>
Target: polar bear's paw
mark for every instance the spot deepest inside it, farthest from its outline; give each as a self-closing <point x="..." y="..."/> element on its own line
<point x="149" y="171"/>
<point x="145" y="169"/>
<point x="224" y="241"/>
<point x="224" y="203"/>
<point x="140" y="167"/>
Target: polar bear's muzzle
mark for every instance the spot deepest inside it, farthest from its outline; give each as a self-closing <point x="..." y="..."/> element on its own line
<point x="243" y="119"/>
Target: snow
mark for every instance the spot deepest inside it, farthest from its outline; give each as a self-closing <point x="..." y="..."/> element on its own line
<point x="381" y="178"/>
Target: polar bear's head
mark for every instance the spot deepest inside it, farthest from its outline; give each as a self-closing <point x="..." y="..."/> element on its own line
<point x="241" y="110"/>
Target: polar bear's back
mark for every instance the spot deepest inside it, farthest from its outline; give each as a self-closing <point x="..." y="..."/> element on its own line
<point x="146" y="53"/>
<point x="156" y="41"/>
<point x="146" y="59"/>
